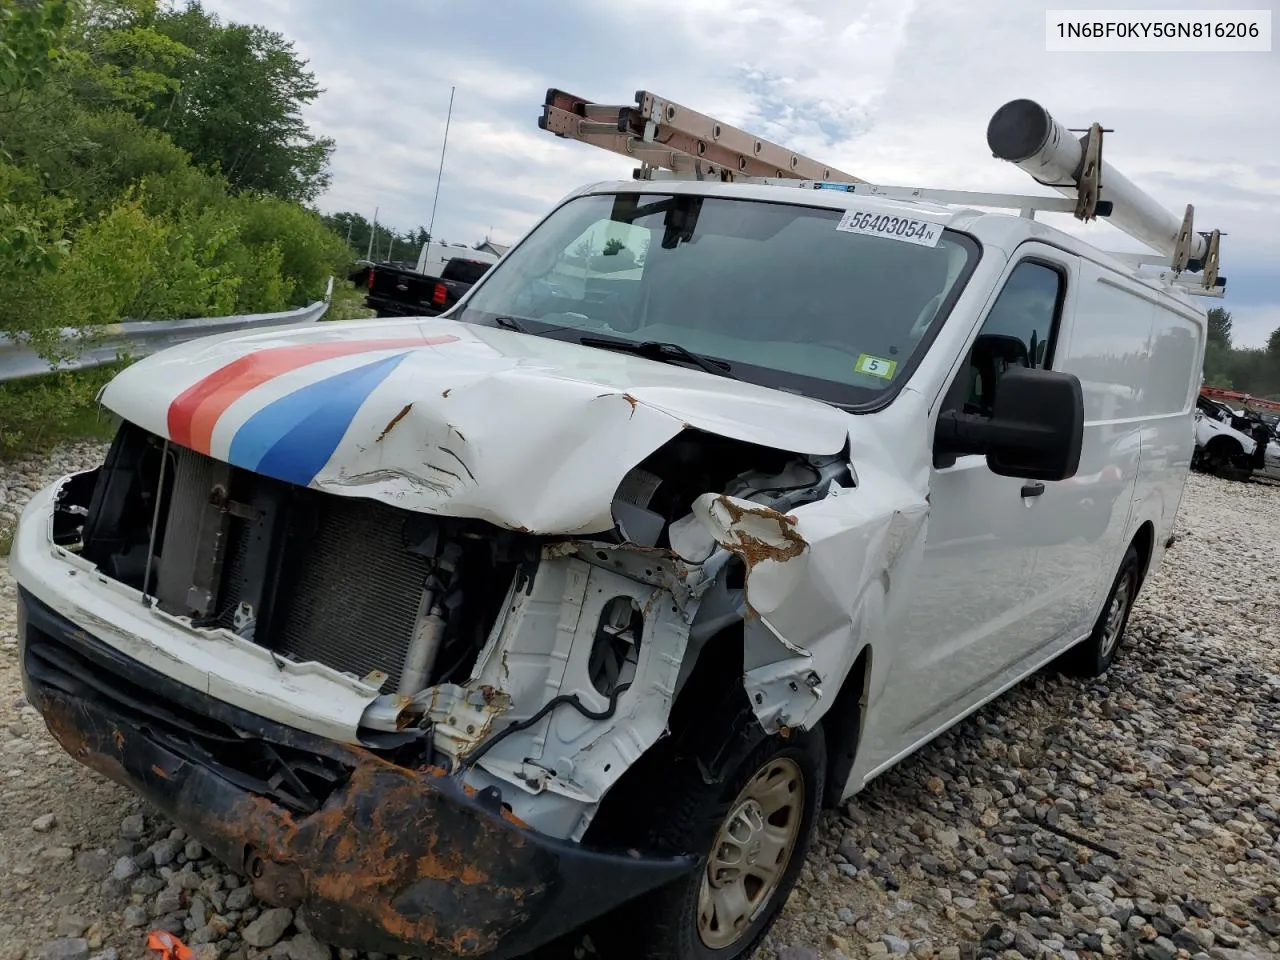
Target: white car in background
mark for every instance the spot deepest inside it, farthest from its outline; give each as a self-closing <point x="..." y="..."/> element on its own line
<point x="1222" y="449"/>
<point x="1271" y="457"/>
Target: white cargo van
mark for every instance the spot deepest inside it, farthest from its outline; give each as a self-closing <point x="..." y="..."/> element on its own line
<point x="570" y="609"/>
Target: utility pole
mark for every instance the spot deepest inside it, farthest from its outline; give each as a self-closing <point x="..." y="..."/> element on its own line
<point x="431" y="227"/>
<point x="372" y="233"/>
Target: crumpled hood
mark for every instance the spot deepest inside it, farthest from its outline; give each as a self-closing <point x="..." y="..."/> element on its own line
<point x="450" y="418"/>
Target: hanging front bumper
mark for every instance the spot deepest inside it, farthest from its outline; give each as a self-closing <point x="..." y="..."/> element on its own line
<point x="374" y="856"/>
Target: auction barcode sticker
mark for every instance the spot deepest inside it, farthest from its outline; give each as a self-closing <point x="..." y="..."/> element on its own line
<point x="892" y="226"/>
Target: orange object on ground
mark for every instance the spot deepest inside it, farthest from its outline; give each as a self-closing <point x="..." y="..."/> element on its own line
<point x="168" y="946"/>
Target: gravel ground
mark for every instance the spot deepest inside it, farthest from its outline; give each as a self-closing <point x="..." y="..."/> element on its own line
<point x="1134" y="816"/>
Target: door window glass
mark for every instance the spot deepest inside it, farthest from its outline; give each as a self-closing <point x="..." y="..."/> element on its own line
<point x="1018" y="332"/>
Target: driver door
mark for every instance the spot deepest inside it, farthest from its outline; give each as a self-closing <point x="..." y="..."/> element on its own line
<point x="972" y="618"/>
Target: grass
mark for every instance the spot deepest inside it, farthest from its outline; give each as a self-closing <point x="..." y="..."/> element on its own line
<point x="38" y="414"/>
<point x="348" y="302"/>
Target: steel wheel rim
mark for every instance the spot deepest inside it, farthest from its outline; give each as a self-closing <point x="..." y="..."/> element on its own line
<point x="1116" y="614"/>
<point x="751" y="852"/>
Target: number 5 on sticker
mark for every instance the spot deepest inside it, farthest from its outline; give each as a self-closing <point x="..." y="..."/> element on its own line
<point x="875" y="366"/>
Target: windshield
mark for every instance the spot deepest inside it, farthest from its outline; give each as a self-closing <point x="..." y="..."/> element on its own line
<point x="776" y="291"/>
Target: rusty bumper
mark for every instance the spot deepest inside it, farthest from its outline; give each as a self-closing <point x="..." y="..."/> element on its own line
<point x="375" y="856"/>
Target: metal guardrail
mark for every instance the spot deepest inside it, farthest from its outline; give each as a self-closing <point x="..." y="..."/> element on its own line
<point x="138" y="338"/>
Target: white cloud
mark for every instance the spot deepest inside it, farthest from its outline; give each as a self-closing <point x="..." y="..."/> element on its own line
<point x="894" y="91"/>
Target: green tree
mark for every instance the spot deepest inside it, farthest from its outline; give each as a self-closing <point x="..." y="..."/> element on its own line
<point x="613" y="246"/>
<point x="1217" y="365"/>
<point x="104" y="217"/>
<point x="119" y="59"/>
<point x="237" y="105"/>
<point x="1219" y="327"/>
<point x="355" y="230"/>
<point x="31" y="38"/>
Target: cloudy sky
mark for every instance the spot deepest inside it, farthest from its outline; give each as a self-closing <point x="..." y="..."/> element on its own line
<point x="892" y="91"/>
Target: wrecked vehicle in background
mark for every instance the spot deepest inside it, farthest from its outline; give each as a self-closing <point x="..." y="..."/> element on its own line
<point x="570" y="609"/>
<point x="1232" y="443"/>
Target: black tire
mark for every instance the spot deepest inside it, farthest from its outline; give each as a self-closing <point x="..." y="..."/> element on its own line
<point x="684" y="815"/>
<point x="1223" y="457"/>
<point x="1094" y="656"/>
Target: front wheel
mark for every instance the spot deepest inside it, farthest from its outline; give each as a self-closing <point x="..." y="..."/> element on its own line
<point x="751" y="832"/>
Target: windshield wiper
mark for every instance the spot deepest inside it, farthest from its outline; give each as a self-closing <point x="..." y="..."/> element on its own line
<point x="509" y="323"/>
<point x="661" y="350"/>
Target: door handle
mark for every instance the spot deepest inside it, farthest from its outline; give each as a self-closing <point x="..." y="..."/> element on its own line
<point x="1032" y="489"/>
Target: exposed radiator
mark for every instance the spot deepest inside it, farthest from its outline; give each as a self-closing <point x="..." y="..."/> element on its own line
<point x="351" y="591"/>
<point x="343" y="588"/>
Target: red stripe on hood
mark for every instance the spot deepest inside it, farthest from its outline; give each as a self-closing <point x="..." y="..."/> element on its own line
<point x="195" y="412"/>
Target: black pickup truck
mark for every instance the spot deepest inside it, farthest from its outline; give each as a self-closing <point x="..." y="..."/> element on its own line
<point x="396" y="292"/>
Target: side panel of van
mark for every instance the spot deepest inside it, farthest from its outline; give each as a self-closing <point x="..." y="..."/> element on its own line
<point x="1178" y="337"/>
<point x="1109" y="348"/>
<point x="1137" y="357"/>
<point x="1014" y="573"/>
<point x="1005" y="575"/>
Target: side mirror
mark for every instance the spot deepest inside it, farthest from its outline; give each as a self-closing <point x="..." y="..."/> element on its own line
<point x="1035" y="431"/>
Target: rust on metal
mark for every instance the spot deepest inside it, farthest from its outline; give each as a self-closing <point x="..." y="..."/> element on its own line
<point x="753" y="550"/>
<point x="381" y="846"/>
<point x="364" y="866"/>
<point x="391" y="424"/>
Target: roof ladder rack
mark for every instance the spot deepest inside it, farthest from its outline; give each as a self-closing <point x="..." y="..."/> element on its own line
<point x="670" y="141"/>
<point x="665" y="136"/>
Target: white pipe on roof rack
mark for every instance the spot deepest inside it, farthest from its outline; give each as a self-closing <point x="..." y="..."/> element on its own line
<point x="1024" y="133"/>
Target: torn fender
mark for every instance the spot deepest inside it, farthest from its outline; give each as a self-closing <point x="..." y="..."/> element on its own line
<point x="822" y="582"/>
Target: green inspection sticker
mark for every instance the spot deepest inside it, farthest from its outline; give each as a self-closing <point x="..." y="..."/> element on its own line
<point x="875" y="366"/>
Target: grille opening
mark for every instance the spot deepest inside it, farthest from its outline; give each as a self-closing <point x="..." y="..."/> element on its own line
<point x="118" y="527"/>
<point x="312" y="576"/>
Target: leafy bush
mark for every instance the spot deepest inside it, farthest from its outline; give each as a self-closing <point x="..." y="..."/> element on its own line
<point x="309" y="252"/>
<point x="38" y="412"/>
<point x="125" y="187"/>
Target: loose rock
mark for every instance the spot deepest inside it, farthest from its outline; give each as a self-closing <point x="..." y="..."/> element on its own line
<point x="133" y="827"/>
<point x="267" y="930"/>
<point x="66" y="948"/>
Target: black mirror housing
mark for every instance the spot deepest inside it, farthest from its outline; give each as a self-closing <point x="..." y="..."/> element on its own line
<point x="1035" y="431"/>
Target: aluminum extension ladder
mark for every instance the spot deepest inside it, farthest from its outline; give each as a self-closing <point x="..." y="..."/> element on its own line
<point x="665" y="136"/>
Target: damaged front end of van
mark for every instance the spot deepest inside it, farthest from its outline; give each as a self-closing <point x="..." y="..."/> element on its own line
<point x="382" y="615"/>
